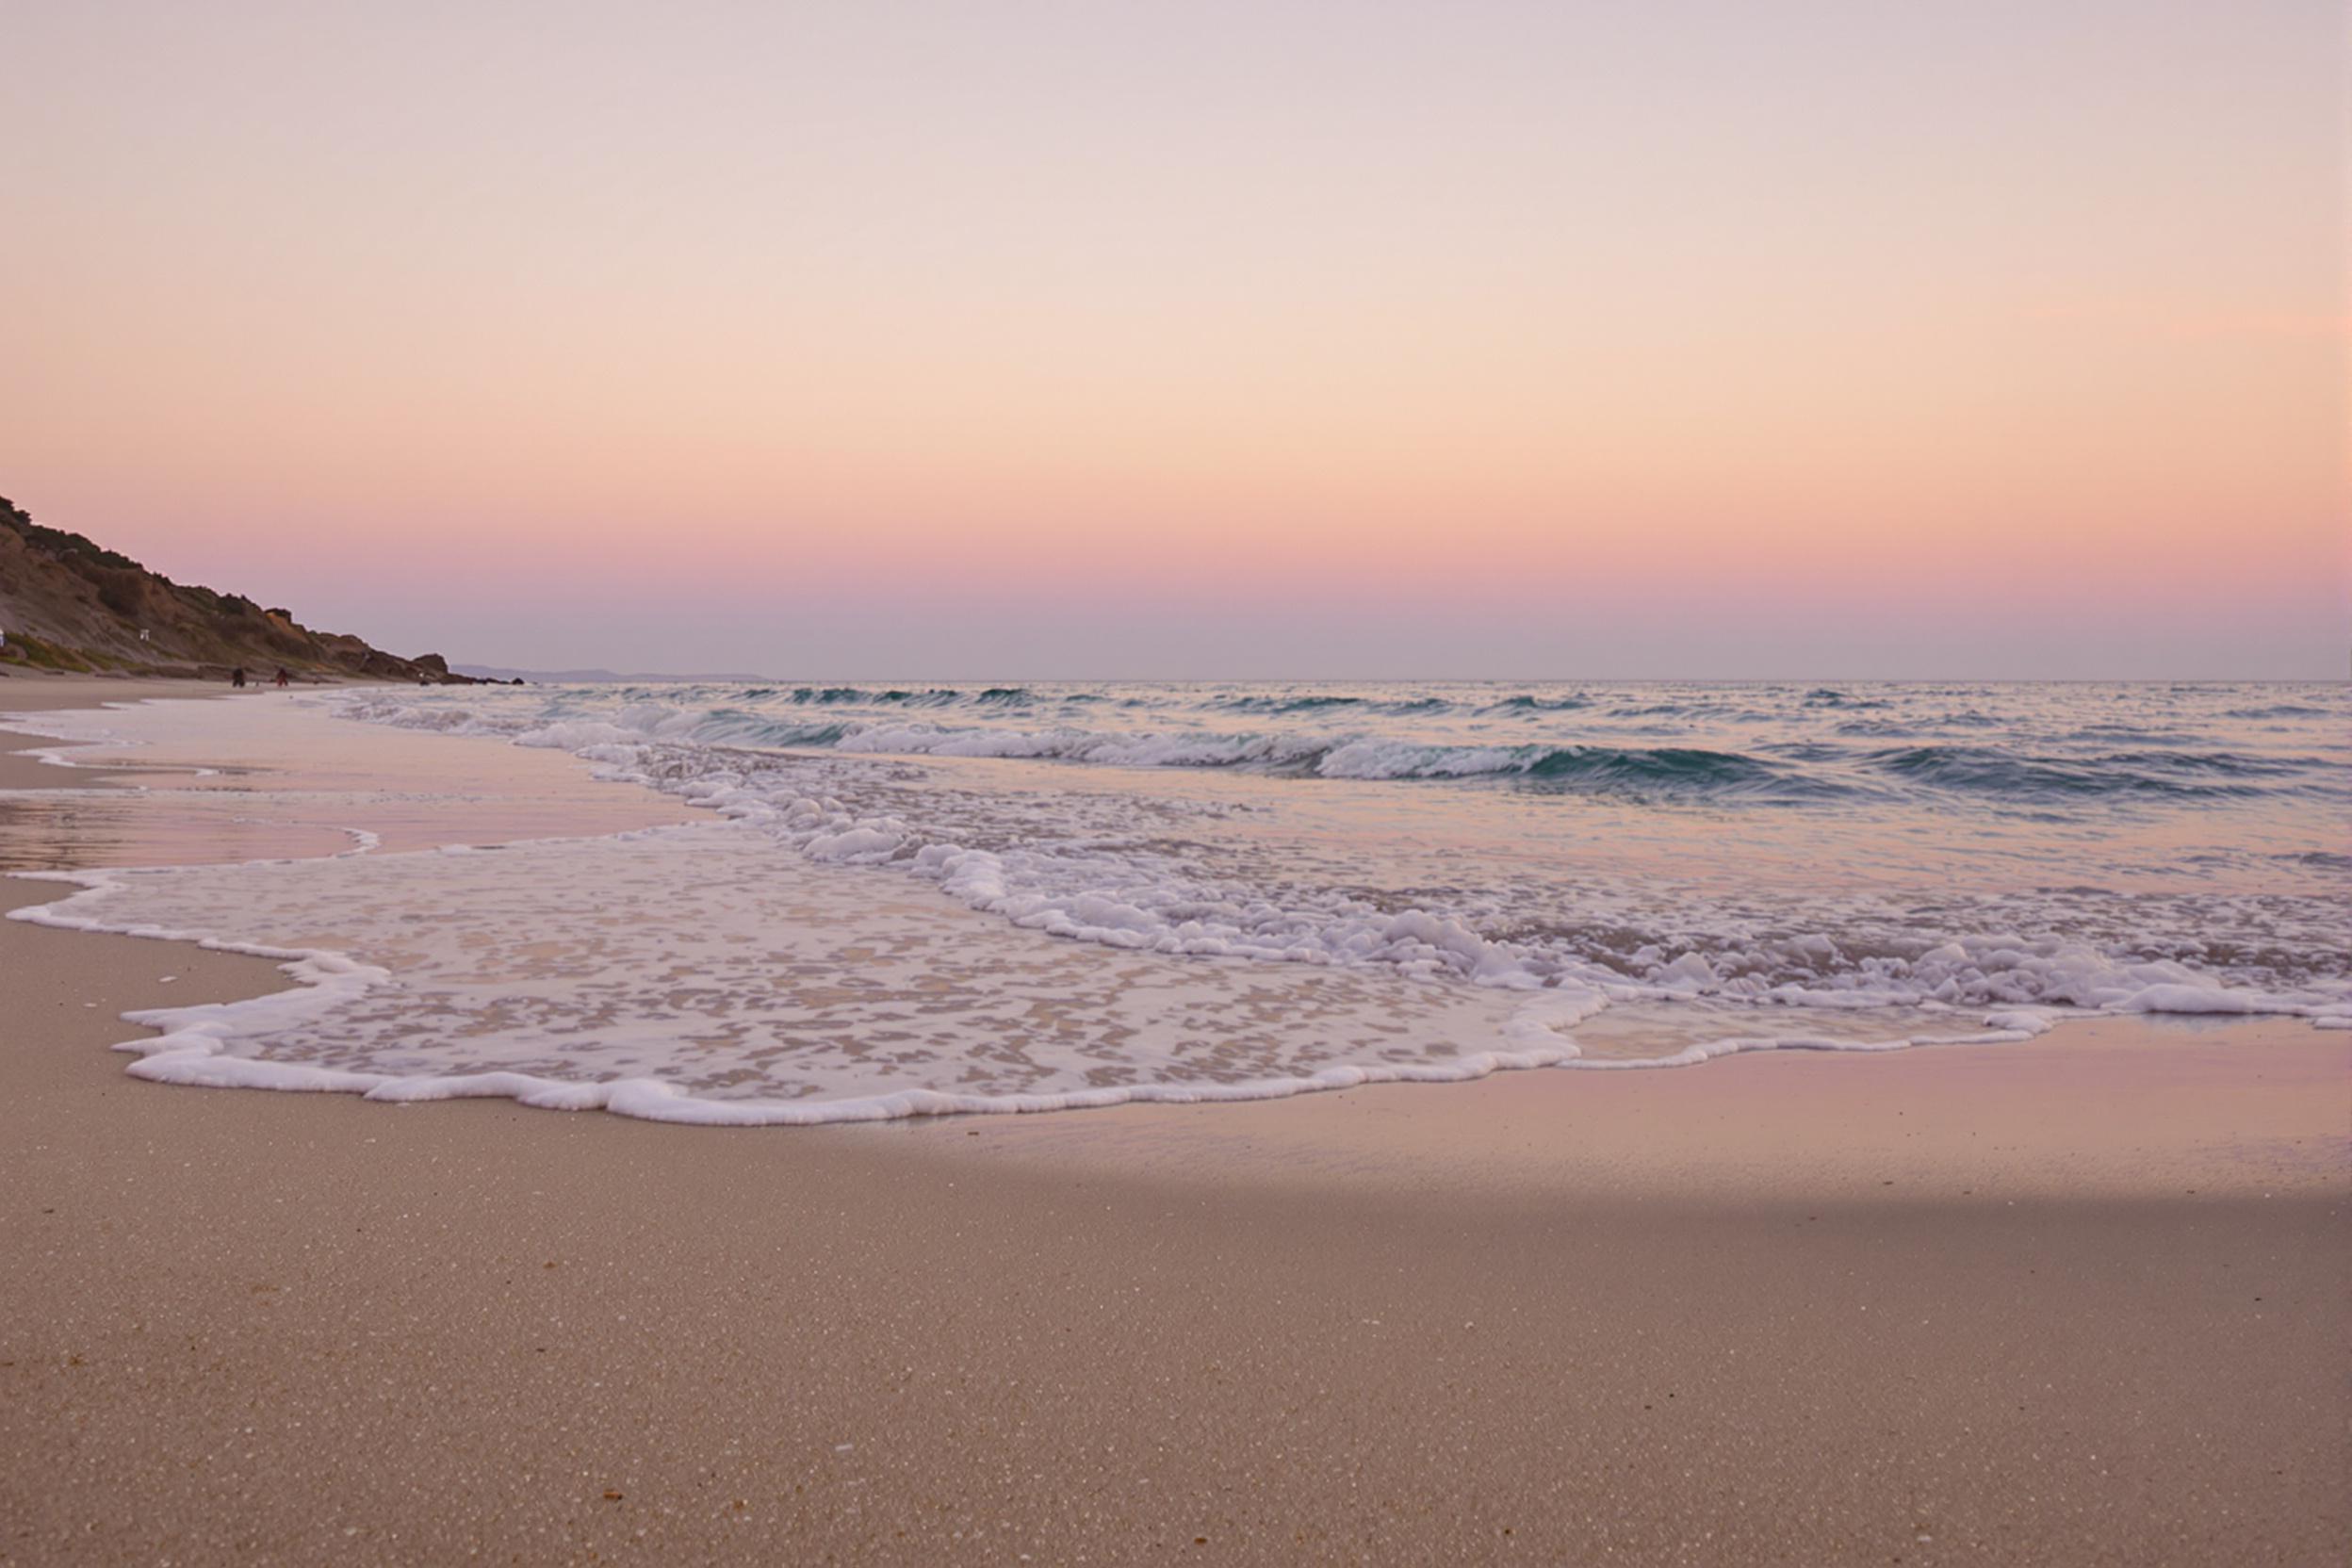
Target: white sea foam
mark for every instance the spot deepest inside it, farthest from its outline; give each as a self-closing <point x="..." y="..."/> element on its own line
<point x="743" y="992"/>
<point x="1076" y="871"/>
<point x="796" y="962"/>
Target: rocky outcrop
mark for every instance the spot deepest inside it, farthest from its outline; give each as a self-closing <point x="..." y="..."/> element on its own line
<point x="69" y="604"/>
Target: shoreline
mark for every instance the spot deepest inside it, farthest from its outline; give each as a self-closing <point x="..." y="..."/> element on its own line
<point x="1943" y="1304"/>
<point x="22" y="693"/>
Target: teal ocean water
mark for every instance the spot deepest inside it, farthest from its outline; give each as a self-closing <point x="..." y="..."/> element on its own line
<point x="929" y="897"/>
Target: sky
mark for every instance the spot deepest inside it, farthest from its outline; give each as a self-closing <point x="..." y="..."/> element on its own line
<point x="1202" y="341"/>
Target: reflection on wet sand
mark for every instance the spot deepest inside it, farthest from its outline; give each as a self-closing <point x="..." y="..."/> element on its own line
<point x="226" y="780"/>
<point x="65" y="830"/>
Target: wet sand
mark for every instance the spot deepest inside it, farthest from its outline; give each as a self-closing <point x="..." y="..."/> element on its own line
<point x="2084" y="1300"/>
<point x="21" y="693"/>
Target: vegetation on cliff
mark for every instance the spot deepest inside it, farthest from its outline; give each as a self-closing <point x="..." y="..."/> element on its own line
<point x="67" y="603"/>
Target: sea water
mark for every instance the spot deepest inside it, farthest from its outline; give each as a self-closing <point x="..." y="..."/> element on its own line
<point x="927" y="897"/>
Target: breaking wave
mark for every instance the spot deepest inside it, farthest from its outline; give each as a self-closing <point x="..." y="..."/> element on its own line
<point x="1362" y="739"/>
<point x="1555" y="876"/>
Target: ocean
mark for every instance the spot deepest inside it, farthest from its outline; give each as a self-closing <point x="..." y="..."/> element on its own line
<point x="917" y="898"/>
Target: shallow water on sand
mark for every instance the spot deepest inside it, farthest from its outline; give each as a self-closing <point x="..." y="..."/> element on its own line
<point x="1038" y="897"/>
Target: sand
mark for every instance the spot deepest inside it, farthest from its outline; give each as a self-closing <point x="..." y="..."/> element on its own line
<point x="2082" y="1300"/>
<point x="21" y="693"/>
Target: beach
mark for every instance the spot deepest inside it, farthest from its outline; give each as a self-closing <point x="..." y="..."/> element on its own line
<point x="2079" y="1298"/>
<point x="1055" y="784"/>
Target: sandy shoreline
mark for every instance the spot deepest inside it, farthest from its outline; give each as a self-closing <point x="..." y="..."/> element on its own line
<point x="1953" y="1305"/>
<point x="34" y="694"/>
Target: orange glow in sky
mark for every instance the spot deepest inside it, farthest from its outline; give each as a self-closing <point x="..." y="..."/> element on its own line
<point x="1689" y="338"/>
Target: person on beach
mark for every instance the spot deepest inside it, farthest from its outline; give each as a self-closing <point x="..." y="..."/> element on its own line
<point x="236" y="676"/>
<point x="283" y="680"/>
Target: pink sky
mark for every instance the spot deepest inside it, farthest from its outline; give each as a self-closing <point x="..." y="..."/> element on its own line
<point x="1202" y="341"/>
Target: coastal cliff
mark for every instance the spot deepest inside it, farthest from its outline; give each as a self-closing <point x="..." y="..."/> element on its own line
<point x="67" y="603"/>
